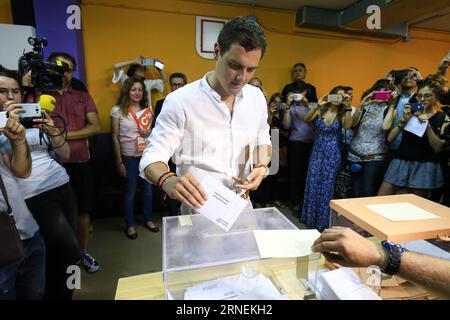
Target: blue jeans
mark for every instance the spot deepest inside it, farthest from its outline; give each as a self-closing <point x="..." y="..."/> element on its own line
<point x="132" y="167"/>
<point x="26" y="280"/>
<point x="367" y="181"/>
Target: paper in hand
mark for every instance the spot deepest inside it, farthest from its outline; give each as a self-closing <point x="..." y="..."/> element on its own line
<point x="223" y="206"/>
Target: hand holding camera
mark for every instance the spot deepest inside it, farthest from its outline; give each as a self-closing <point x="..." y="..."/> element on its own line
<point x="406" y="113"/>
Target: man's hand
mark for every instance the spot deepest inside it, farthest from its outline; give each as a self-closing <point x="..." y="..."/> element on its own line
<point x="186" y="189"/>
<point x="347" y="248"/>
<point x="14" y="131"/>
<point x="253" y="180"/>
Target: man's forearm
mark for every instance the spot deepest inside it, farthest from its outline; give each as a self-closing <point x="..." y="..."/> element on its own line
<point x="155" y="170"/>
<point x="86" y="132"/>
<point x="262" y="154"/>
<point x="21" y="160"/>
<point x="428" y="272"/>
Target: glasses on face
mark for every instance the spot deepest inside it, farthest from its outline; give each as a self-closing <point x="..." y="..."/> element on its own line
<point x="9" y="91"/>
<point x="424" y="96"/>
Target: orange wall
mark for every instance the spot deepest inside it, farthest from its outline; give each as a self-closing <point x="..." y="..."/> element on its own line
<point x="119" y="30"/>
<point x="5" y="11"/>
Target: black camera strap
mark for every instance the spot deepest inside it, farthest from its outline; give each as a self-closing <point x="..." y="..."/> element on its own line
<point x="5" y="195"/>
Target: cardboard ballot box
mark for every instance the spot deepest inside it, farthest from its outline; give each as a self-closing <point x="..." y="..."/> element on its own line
<point x="202" y="261"/>
<point x="397" y="218"/>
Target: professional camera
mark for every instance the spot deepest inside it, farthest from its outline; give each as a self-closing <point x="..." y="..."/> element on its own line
<point x="44" y="75"/>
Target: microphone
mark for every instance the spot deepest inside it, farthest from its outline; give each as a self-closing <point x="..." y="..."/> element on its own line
<point x="47" y="102"/>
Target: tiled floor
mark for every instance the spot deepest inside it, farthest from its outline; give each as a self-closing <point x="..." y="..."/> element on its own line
<point x="120" y="257"/>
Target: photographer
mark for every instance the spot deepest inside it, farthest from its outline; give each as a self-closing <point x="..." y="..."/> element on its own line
<point x="415" y="167"/>
<point x="48" y="195"/>
<point x="371" y="122"/>
<point x="406" y="82"/>
<point x="299" y="73"/>
<point x="301" y="140"/>
<point x="25" y="279"/>
<point x="138" y="69"/>
<point x="329" y="115"/>
<point x="80" y="112"/>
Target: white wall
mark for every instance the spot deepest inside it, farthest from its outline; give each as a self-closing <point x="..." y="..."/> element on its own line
<point x="14" y="40"/>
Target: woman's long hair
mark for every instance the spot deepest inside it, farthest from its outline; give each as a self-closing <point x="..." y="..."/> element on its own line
<point x="378" y="85"/>
<point x="124" y="98"/>
<point x="341" y="107"/>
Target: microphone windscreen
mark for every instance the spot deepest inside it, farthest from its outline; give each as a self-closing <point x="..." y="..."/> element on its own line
<point x="47" y="102"/>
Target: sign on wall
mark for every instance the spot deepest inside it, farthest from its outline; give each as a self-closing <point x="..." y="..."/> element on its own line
<point x="207" y="31"/>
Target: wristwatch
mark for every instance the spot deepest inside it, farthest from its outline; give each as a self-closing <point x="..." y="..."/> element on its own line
<point x="395" y="254"/>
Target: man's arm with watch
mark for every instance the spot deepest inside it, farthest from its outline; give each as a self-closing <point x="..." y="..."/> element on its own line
<point x="259" y="171"/>
<point x="347" y="248"/>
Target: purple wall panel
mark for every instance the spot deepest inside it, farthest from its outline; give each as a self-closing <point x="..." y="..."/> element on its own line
<point x="51" y="17"/>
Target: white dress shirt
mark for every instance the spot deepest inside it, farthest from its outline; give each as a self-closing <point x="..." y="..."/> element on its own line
<point x="196" y="128"/>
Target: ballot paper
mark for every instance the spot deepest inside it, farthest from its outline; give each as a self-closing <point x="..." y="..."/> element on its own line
<point x="402" y="211"/>
<point x="416" y="126"/>
<point x="285" y="243"/>
<point x="344" y="284"/>
<point x="232" y="288"/>
<point x="223" y="206"/>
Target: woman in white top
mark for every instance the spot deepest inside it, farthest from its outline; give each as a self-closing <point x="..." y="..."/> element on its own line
<point x="138" y="69"/>
<point x="52" y="201"/>
<point x="130" y="123"/>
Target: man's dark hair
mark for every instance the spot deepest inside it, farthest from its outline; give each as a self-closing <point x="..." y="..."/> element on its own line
<point x="65" y="55"/>
<point x="133" y="68"/>
<point x="178" y="75"/>
<point x="299" y="64"/>
<point x="9" y="73"/>
<point x="244" y="32"/>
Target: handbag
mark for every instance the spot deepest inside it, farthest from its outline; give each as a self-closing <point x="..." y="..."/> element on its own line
<point x="11" y="247"/>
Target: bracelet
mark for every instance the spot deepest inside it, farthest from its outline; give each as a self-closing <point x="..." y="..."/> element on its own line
<point x="167" y="178"/>
<point x="164" y="178"/>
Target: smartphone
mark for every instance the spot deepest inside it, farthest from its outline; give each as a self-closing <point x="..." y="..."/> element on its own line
<point x="159" y="65"/>
<point x="382" y="95"/>
<point x="297" y="96"/>
<point x="32" y="110"/>
<point x="417" y="107"/>
<point x="148" y="62"/>
<point x="3" y="118"/>
<point x="335" y="98"/>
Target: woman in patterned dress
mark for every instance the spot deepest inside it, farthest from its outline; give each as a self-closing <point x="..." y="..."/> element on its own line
<point x="325" y="158"/>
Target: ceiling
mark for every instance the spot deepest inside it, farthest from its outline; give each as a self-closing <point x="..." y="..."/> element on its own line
<point x="437" y="20"/>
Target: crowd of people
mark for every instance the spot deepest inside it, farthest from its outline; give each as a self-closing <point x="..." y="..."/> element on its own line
<point x="231" y="114"/>
<point x="369" y="143"/>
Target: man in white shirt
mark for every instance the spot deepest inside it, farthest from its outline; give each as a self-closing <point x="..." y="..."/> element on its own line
<point x="215" y="126"/>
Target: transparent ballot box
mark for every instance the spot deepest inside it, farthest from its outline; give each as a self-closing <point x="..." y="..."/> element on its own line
<point x="202" y="261"/>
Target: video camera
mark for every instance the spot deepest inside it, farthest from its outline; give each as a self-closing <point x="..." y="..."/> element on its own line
<point x="44" y="75"/>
